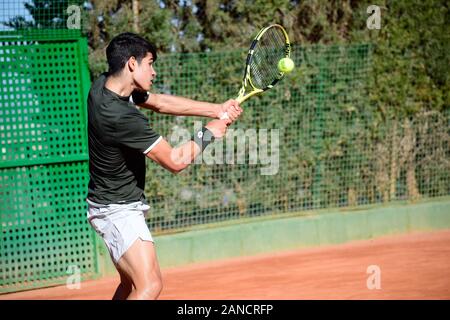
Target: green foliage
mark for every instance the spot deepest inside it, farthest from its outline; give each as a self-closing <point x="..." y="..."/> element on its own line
<point x="411" y="64"/>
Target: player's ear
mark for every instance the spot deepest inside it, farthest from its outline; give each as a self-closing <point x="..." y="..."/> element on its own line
<point x="132" y="63"/>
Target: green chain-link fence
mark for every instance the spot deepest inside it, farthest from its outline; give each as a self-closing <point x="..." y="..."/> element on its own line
<point x="334" y="150"/>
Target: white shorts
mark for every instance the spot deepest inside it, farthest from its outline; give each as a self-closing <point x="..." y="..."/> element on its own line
<point x="120" y="225"/>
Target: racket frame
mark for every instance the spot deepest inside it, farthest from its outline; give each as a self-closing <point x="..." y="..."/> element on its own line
<point x="247" y="81"/>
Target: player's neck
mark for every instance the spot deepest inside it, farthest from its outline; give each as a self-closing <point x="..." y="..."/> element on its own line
<point x="120" y="85"/>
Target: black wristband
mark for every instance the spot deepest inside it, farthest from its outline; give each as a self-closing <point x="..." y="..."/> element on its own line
<point x="203" y="137"/>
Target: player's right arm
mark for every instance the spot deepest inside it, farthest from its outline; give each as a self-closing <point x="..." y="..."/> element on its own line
<point x="177" y="159"/>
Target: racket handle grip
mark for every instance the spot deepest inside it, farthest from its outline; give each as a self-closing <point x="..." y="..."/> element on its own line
<point x="224" y="116"/>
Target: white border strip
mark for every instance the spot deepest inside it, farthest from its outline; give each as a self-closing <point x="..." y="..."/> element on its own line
<point x="153" y="145"/>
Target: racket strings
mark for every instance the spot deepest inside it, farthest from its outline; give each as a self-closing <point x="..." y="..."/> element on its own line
<point x="268" y="51"/>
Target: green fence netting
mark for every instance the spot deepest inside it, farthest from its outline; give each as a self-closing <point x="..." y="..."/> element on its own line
<point x="333" y="150"/>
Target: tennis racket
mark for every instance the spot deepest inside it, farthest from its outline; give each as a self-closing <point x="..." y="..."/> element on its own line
<point x="261" y="72"/>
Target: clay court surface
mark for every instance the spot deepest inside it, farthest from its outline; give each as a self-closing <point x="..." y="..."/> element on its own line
<point x="414" y="266"/>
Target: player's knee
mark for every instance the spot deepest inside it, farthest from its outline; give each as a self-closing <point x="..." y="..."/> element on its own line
<point x="150" y="292"/>
<point x="157" y="286"/>
<point x="151" y="288"/>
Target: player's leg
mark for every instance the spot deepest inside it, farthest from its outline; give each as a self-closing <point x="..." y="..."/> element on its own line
<point x="140" y="265"/>
<point x="124" y="288"/>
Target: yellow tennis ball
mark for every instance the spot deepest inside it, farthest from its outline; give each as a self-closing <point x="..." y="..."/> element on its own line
<point x="286" y="65"/>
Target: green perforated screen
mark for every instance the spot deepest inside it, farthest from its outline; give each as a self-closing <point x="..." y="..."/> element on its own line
<point x="44" y="234"/>
<point x="44" y="164"/>
<point x="41" y="115"/>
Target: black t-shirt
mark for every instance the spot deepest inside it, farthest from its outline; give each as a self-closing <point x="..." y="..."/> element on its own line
<point x="119" y="137"/>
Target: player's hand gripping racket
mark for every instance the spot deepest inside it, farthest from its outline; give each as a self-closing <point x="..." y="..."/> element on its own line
<point x="261" y="72"/>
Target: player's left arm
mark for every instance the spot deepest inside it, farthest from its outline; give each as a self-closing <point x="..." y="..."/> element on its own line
<point x="180" y="106"/>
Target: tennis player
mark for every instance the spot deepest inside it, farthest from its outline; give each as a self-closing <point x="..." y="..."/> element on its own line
<point x="120" y="138"/>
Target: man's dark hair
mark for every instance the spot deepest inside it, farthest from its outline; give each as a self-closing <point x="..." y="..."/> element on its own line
<point x="124" y="46"/>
